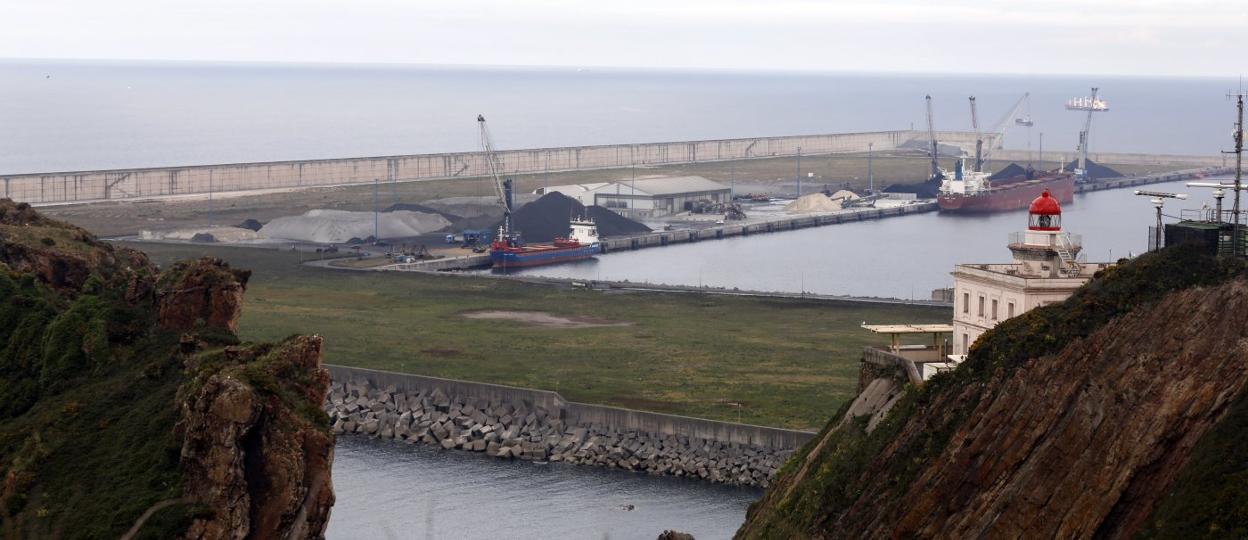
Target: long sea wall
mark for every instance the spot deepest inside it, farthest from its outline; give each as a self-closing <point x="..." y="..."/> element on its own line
<point x="520" y="423"/>
<point x="86" y="186"/>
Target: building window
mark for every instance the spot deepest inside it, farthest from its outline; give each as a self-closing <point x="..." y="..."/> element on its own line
<point x="994" y="309"/>
<point x="1009" y="309"/>
<point x="966" y="340"/>
<point x="966" y="302"/>
<point x="981" y="305"/>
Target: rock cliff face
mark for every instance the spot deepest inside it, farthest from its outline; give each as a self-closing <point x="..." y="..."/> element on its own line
<point x="261" y="464"/>
<point x="129" y="408"/>
<point x="206" y="292"/>
<point x="1074" y="421"/>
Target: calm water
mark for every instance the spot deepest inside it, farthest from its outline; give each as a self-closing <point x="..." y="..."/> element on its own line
<point x="70" y="116"/>
<point x="902" y="257"/>
<point x="391" y="490"/>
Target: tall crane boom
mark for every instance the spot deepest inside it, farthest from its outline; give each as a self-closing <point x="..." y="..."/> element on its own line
<point x="931" y="135"/>
<point x="1083" y="140"/>
<point x="979" y="139"/>
<point x="502" y="187"/>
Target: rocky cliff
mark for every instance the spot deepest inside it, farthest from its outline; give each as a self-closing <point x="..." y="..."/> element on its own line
<point x="129" y="408"/>
<point x="1116" y="414"/>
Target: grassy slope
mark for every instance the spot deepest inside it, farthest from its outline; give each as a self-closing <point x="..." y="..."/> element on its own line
<point x="789" y="363"/>
<point x="836" y="472"/>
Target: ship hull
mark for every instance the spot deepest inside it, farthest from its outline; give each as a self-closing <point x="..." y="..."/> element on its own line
<point x="541" y="255"/>
<point x="1009" y="197"/>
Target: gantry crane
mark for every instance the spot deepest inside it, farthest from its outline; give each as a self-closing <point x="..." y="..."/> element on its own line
<point x="979" y="139"/>
<point x="502" y="187"/>
<point x="1081" y="171"/>
<point x="931" y="134"/>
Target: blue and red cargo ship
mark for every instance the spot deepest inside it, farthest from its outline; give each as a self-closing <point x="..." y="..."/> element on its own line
<point x="508" y="251"/>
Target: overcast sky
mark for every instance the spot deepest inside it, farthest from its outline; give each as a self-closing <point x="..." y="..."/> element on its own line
<point x="1125" y="37"/>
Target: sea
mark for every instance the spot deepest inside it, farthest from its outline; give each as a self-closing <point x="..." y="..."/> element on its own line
<point x="80" y="115"/>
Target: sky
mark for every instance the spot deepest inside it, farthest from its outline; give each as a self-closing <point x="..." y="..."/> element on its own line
<point x="1110" y="37"/>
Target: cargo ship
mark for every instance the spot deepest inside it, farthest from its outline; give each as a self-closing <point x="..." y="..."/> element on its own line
<point x="970" y="192"/>
<point x="508" y="251"/>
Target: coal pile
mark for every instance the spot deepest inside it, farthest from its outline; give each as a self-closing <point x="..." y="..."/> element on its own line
<point x="544" y="219"/>
<point x="1012" y="170"/>
<point x="1096" y="171"/>
<point x="250" y="224"/>
<point x="927" y="189"/>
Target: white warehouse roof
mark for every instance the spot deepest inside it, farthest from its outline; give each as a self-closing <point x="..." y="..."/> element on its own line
<point x="664" y="185"/>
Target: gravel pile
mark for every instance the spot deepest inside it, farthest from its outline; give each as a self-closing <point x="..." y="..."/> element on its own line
<point x="814" y="202"/>
<point x="338" y="226"/>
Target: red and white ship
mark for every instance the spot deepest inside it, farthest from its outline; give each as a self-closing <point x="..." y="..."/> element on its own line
<point x="970" y="192"/>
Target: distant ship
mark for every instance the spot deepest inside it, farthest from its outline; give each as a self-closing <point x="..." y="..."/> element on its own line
<point x="508" y="251"/>
<point x="1087" y="103"/>
<point x="970" y="192"/>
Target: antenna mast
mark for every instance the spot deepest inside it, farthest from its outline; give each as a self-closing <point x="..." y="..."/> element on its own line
<point x="1239" y="170"/>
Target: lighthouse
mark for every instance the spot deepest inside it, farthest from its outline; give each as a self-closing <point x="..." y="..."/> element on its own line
<point x="1043" y="249"/>
<point x="1047" y="268"/>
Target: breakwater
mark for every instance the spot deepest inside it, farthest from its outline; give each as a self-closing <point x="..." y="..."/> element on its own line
<point x="518" y="423"/>
<point x="118" y="184"/>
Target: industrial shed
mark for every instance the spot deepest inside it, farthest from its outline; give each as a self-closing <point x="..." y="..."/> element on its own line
<point x="660" y="196"/>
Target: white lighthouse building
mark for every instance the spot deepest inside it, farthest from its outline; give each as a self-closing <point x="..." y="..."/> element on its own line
<point x="1046" y="269"/>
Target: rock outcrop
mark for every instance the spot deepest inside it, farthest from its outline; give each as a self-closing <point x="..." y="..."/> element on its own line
<point x="128" y="407"/>
<point x="205" y="291"/>
<point x="260" y="463"/>
<point x="1071" y="421"/>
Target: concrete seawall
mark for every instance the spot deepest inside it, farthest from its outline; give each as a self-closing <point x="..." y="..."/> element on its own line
<point x="582" y="413"/>
<point x="85" y="186"/>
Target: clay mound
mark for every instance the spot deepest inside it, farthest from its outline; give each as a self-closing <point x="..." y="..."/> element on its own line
<point x="544" y="219"/>
<point x="338" y="226"/>
<point x="844" y="195"/>
<point x="815" y="202"/>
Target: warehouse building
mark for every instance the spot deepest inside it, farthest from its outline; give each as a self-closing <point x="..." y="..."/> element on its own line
<point x="660" y="196"/>
<point x="583" y="193"/>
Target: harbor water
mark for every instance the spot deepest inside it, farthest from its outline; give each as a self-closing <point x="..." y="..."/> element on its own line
<point x="901" y="257"/>
<point x="392" y="490"/>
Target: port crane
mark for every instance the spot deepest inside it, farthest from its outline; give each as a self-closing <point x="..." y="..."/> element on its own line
<point x="931" y="135"/>
<point x="502" y="187"/>
<point x="1081" y="170"/>
<point x="979" y="138"/>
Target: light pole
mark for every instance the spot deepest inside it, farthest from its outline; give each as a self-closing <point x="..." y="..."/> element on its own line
<point x="799" y="172"/>
<point x="870" y="175"/>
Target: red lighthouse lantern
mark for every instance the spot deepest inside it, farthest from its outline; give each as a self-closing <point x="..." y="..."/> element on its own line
<point x="1045" y="214"/>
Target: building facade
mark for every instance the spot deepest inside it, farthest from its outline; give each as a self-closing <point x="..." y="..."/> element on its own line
<point x="1046" y="269"/>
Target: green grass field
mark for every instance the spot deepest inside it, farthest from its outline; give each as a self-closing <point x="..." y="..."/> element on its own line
<point x="787" y="363"/>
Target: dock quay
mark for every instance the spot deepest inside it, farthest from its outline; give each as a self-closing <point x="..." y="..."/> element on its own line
<point x="1131" y="181"/>
<point x="666" y="238"/>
